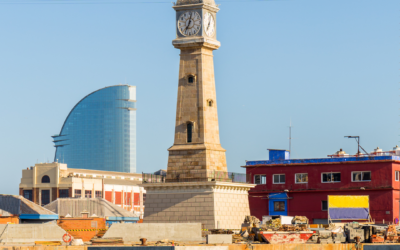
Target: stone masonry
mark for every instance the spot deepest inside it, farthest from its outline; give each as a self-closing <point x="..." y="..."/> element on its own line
<point x="214" y="204"/>
<point x="196" y="105"/>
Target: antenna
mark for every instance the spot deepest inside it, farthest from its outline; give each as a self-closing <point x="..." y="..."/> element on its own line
<point x="290" y="138"/>
<point x="358" y="143"/>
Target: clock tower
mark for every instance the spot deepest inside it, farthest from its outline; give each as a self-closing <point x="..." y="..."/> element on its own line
<point x="197" y="187"/>
<point x="196" y="154"/>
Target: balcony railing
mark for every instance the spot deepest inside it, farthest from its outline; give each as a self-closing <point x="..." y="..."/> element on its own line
<point x="196" y="176"/>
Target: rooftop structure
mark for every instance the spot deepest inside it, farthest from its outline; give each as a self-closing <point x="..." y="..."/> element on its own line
<point x="100" y="131"/>
<point x="276" y="156"/>
<point x="15" y="205"/>
<point x="185" y="2"/>
<point x="97" y="207"/>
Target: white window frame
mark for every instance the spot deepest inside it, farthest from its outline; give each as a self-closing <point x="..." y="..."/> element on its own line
<point x="370" y="174"/>
<point x="260" y="179"/>
<point x="322" y="177"/>
<point x="396" y="175"/>
<point x="295" y="179"/>
<point x="279" y="179"/>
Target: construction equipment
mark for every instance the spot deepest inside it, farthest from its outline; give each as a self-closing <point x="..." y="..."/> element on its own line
<point x="325" y="237"/>
<point x="352" y="231"/>
<point x="339" y="237"/>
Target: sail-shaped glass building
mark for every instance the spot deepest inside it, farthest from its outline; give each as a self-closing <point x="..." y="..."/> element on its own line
<point x="100" y="131"/>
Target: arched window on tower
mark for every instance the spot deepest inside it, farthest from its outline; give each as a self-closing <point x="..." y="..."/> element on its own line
<point x="45" y="179"/>
<point x="191" y="79"/>
<point x="189" y="129"/>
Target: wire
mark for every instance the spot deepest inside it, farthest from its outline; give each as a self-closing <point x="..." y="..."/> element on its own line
<point x="111" y="2"/>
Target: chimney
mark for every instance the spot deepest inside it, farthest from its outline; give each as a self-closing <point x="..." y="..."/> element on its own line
<point x="85" y="214"/>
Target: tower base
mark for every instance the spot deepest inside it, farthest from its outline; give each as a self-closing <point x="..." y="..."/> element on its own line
<point x="217" y="205"/>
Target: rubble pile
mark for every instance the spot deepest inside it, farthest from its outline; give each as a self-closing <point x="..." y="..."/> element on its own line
<point x="391" y="234"/>
<point x="273" y="224"/>
<point x="298" y="227"/>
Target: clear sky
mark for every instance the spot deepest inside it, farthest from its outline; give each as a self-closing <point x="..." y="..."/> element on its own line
<point x="330" y="66"/>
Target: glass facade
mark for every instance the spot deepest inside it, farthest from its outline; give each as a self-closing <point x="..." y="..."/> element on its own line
<point x="100" y="131"/>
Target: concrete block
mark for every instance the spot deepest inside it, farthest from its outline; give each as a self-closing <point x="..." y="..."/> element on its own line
<point x="219" y="239"/>
<point x="29" y="233"/>
<point x="132" y="232"/>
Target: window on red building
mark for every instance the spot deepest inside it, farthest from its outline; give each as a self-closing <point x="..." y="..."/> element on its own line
<point x="301" y="178"/>
<point x="361" y="176"/>
<point x="324" y="205"/>
<point x="260" y="179"/>
<point x="88" y="193"/>
<point x="278" y="179"/>
<point x="397" y="175"/>
<point x="78" y="193"/>
<point x="279" y="206"/>
<point x="331" y="177"/>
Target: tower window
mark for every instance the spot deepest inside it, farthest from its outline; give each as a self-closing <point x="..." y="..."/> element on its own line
<point x="209" y="103"/>
<point x="45" y="179"/>
<point x="190" y="79"/>
<point x="189" y="128"/>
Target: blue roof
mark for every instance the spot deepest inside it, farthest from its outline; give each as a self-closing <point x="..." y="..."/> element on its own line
<point x="324" y="160"/>
<point x="122" y="218"/>
<point x="39" y="216"/>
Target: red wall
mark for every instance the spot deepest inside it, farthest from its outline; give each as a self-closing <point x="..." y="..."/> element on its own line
<point x="109" y="196"/>
<point x="305" y="199"/>
<point x="136" y="200"/>
<point x="118" y="198"/>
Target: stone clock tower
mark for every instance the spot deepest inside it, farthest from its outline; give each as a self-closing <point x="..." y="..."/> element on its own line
<point x="198" y="187"/>
<point x="197" y="154"/>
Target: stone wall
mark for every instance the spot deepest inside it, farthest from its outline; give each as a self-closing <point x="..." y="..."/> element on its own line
<point x="213" y="204"/>
<point x="231" y="207"/>
<point x="196" y="206"/>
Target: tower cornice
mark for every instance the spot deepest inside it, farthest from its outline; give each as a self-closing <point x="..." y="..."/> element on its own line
<point x="196" y="6"/>
<point x="196" y="42"/>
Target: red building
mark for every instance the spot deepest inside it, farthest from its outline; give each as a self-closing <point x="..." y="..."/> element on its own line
<point x="301" y="187"/>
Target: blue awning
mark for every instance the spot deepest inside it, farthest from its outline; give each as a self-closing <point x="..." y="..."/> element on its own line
<point x="123" y="218"/>
<point x="38" y="216"/>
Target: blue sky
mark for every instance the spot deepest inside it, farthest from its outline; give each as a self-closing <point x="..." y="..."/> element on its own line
<point x="330" y="66"/>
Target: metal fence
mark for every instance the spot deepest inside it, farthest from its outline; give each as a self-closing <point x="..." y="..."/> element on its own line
<point x="196" y="176"/>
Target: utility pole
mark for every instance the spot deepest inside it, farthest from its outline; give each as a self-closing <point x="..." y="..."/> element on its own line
<point x="290" y="139"/>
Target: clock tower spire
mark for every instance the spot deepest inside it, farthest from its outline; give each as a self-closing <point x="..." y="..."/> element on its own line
<point x="196" y="154"/>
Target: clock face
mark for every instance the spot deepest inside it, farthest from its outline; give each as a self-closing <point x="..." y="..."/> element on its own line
<point x="209" y="24"/>
<point x="189" y="23"/>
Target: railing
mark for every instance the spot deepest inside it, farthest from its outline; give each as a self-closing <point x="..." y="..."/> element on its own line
<point x="152" y="178"/>
<point x="196" y="176"/>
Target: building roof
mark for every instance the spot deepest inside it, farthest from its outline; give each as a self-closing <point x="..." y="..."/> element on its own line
<point x="323" y="160"/>
<point x="18" y="205"/>
<point x="102" y="172"/>
<point x="186" y="2"/>
<point x="97" y="206"/>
